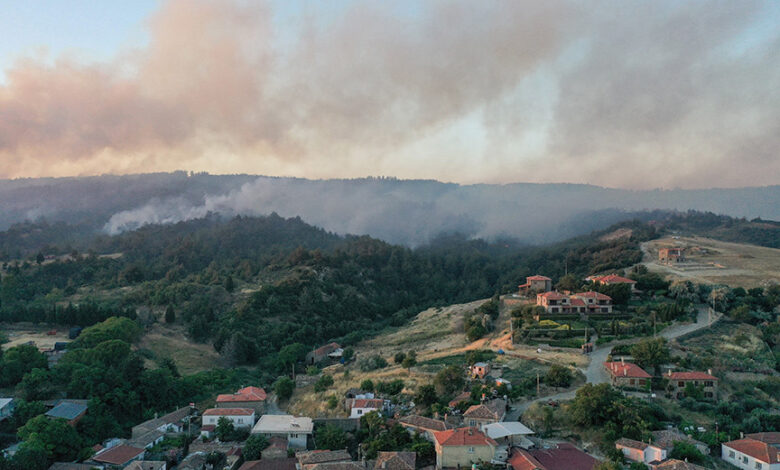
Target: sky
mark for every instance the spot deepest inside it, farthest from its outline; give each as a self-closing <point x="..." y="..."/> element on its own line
<point x="629" y="94"/>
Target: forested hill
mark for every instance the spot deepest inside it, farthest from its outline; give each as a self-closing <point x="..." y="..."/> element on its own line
<point x="251" y="285"/>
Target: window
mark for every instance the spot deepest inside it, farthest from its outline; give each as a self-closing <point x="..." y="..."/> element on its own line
<point x="731" y="454"/>
<point x="360" y="412"/>
<point x="471" y="450"/>
<point x="758" y="465"/>
<point x="744" y="459"/>
<point x="293" y="436"/>
<point x="681" y="384"/>
<point x="472" y="422"/>
<point x="708" y="383"/>
<point x="631" y="381"/>
<point x="240" y="420"/>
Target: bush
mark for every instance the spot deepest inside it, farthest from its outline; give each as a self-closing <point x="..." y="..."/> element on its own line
<point x="558" y="376"/>
<point x="323" y="383"/>
<point x="372" y="363"/>
<point x="283" y="387"/>
<point x="367" y="385"/>
<point x="393" y="387"/>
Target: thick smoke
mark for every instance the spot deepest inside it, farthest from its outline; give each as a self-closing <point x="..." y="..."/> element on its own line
<point x="618" y="94"/>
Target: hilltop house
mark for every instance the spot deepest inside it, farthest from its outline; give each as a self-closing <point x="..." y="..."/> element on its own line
<point x="638" y="451"/>
<point x="678" y="381"/>
<point x="425" y="426"/>
<point x="332" y="350"/>
<point x="760" y="451"/>
<point x="485" y="413"/>
<point x="626" y="374"/>
<point x="536" y="284"/>
<point x="362" y="406"/>
<point x="247" y="397"/>
<point x="666" y="438"/>
<point x="671" y="255"/>
<point x="6" y="408"/>
<point x="293" y="428"/>
<point x="561" y="457"/>
<point x="583" y="302"/>
<point x="463" y="447"/>
<point x="480" y="369"/>
<point x="611" y="279"/>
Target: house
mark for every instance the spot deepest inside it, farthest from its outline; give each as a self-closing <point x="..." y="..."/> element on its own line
<point x="395" y="461"/>
<point x="308" y="460"/>
<point x="277" y="449"/>
<point x="362" y="406"/>
<point x="638" y="451"/>
<point x="193" y="461"/>
<point x="151" y="432"/>
<point x="240" y="417"/>
<point x="583" y="302"/>
<point x="339" y="466"/>
<point x="120" y="456"/>
<point x="321" y="353"/>
<point x="509" y="433"/>
<point x="536" y="284"/>
<point x="751" y="454"/>
<point x="463" y="447"/>
<point x="247" y="397"/>
<point x="626" y="374"/>
<point x="274" y="464"/>
<point x="671" y="255"/>
<point x="426" y="427"/>
<point x="71" y="466"/>
<point x="674" y="464"/>
<point x="485" y="413"/>
<point x="678" y="381"/>
<point x="665" y="439"/>
<point x="70" y="410"/>
<point x="6" y="408"/>
<point x="612" y="279"/>
<point x="501" y="381"/>
<point x="561" y="457"/>
<point x="148" y="465"/>
<point x="463" y="397"/>
<point x="296" y="429"/>
<point x="480" y="369"/>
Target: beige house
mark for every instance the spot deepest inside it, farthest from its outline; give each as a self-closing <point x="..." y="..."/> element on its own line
<point x="625" y="374"/>
<point x="247" y="397"/>
<point x="679" y="380"/>
<point x="463" y="447"/>
<point x="638" y="451"/>
<point x="536" y="284"/>
<point x="486" y="413"/>
<point x="425" y="426"/>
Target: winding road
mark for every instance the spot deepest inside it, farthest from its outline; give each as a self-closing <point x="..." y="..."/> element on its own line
<point x="595" y="372"/>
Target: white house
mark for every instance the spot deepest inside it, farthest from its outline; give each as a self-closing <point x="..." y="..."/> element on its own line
<point x="361" y="407"/>
<point x="6" y="408"/>
<point x="751" y="454"/>
<point x="638" y="451"/>
<point x="240" y="417"/>
<point x="296" y="429"/>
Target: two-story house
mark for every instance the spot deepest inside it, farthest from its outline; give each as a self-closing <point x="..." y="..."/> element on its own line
<point x="705" y="381"/>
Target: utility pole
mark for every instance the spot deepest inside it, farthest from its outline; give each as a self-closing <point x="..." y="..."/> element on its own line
<point x="537" y="384"/>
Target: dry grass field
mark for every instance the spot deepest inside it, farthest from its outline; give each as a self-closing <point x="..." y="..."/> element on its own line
<point x="20" y="333"/>
<point x="716" y="262"/>
<point x="169" y="341"/>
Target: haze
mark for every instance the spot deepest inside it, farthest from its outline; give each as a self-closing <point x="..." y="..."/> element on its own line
<point x="617" y="94"/>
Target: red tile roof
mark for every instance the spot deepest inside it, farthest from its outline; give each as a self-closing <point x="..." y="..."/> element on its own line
<point x="593" y="295"/>
<point x="374" y="403"/>
<point x="768" y="437"/>
<point x="552" y="295"/>
<point x="463" y="437"/>
<point x="422" y="422"/>
<point x="575" y="302"/>
<point x="756" y="449"/>
<point x="118" y="455"/>
<point x="538" y="278"/>
<point x="563" y="457"/>
<point x="691" y="376"/>
<point x="627" y="369"/>
<point x="613" y="279"/>
<point x="228" y="412"/>
<point x="327" y="349"/>
<point x="245" y="394"/>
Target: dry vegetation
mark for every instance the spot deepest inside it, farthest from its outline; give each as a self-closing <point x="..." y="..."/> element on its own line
<point x="21" y="333"/>
<point x="169" y="341"/>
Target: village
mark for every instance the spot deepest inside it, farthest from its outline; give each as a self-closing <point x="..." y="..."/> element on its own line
<point x="489" y="421"/>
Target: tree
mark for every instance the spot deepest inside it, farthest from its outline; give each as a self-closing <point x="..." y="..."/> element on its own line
<point x="59" y="439"/>
<point x="323" y="383"/>
<point x="608" y="465"/>
<point x="170" y="315"/>
<point x="686" y="451"/>
<point x="225" y="429"/>
<point x="367" y="385"/>
<point x="283" y="387"/>
<point x="27" y="410"/>
<point x="399" y="357"/>
<point x="331" y="437"/>
<point x="229" y="285"/>
<point x="426" y="395"/>
<point x="39" y="258"/>
<point x="476" y="332"/>
<point x="18" y="361"/>
<point x="254" y="446"/>
<point x="333" y="402"/>
<point x="36" y="385"/>
<point x="29" y="457"/>
<point x="569" y="282"/>
<point x="651" y="353"/>
<point x="348" y="354"/>
<point x="448" y="380"/>
<point x="558" y="376"/>
<point x="592" y="404"/>
<point x="637" y="466"/>
<point x="409" y="361"/>
<point x="291" y="354"/>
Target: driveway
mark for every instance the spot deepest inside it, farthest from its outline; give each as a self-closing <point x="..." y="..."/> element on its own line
<point x="595" y="372"/>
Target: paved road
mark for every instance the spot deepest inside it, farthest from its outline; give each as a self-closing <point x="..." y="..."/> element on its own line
<point x="595" y="372"/>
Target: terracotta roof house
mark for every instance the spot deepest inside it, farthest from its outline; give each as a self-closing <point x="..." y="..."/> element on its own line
<point x="273" y="464"/>
<point x="582" y="302"/>
<point x="174" y="421"/>
<point x="395" y="461"/>
<point x="674" y="464"/>
<point x="147" y="465"/>
<point x="71" y="466"/>
<point x="321" y="353"/>
<point x="671" y="254"/>
<point x="678" y="381"/>
<point x="338" y="466"/>
<point x="611" y="279"/>
<point x="463" y="447"/>
<point x="666" y="438"/>
<point x="485" y="413"/>
<point x="240" y="417"/>
<point x="308" y="459"/>
<point x="638" y="451"/>
<point x="120" y="455"/>
<point x="465" y="396"/>
<point x="626" y="374"/>
<point x="247" y="397"/>
<point x="425" y="426"/>
<point x="361" y="406"/>
<point x="536" y="283"/>
<point x="772" y="438"/>
<point x="562" y="457"/>
<point x="277" y="448"/>
<point x="751" y="454"/>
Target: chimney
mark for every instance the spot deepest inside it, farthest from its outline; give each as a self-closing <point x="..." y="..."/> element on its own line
<point x="670" y="372"/>
<point x="709" y="371"/>
<point x="741" y="435"/>
<point x="384" y="464"/>
<point x="623" y="360"/>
